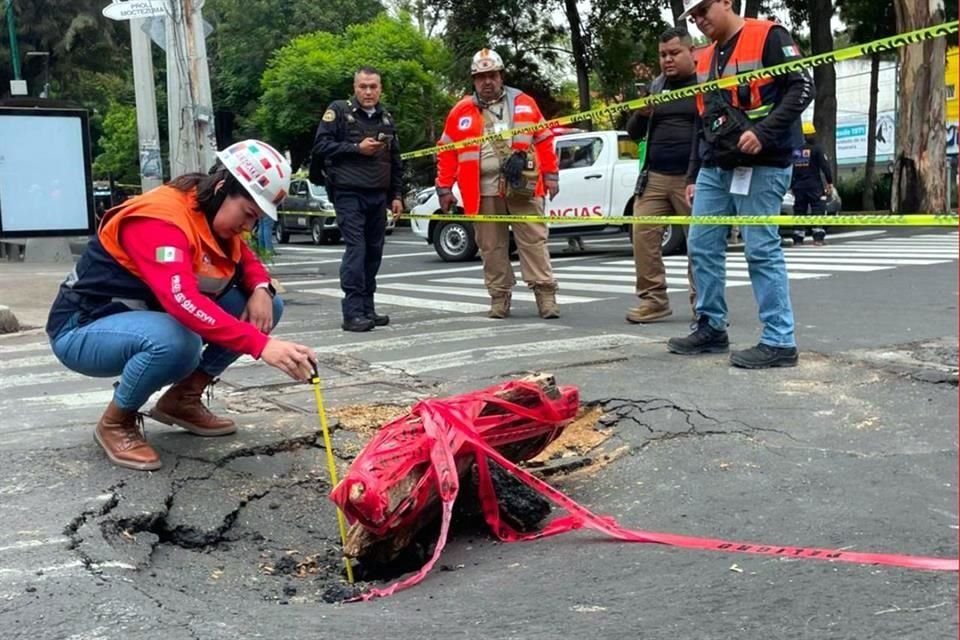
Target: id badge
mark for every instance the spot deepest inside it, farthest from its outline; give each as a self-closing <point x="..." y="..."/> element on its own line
<point x="499" y="127"/>
<point x="740" y="185"/>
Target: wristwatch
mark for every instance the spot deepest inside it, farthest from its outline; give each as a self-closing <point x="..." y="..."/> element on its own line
<point x="269" y="287"/>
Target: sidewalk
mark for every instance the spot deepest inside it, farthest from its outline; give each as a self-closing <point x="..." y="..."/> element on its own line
<point x="27" y="290"/>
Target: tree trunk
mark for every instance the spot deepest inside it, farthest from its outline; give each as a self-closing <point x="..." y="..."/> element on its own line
<point x="753" y="9"/>
<point x="919" y="182"/>
<point x="869" y="171"/>
<point x="579" y="57"/>
<point x="825" y="79"/>
<point x="677" y="7"/>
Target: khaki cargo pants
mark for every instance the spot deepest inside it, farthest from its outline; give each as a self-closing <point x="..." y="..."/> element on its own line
<point x="493" y="238"/>
<point x="664" y="195"/>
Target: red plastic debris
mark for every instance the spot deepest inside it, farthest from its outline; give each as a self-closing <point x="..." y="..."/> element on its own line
<point x="439" y="434"/>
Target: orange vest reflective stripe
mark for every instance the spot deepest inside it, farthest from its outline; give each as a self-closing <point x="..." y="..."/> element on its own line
<point x="463" y="165"/>
<point x="212" y="266"/>
<point x="747" y="56"/>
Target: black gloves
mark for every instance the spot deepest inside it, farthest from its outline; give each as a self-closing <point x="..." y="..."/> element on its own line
<point x="513" y="168"/>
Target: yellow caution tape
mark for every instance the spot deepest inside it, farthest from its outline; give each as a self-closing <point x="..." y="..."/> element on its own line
<point x="870" y="220"/>
<point x="877" y="46"/>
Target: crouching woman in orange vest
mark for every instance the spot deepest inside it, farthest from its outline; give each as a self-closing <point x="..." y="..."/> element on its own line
<point x="168" y="292"/>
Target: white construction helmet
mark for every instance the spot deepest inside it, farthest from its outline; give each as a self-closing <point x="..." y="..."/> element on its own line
<point x="485" y="60"/>
<point x="262" y="171"/>
<point x="690" y="5"/>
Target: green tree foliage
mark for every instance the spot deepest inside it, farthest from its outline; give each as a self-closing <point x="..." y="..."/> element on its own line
<point x="247" y="32"/>
<point x="315" y="69"/>
<point x="80" y="41"/>
<point x="623" y="36"/>
<point x="119" y="156"/>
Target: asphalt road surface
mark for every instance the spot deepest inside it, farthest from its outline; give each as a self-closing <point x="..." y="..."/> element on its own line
<point x="854" y="449"/>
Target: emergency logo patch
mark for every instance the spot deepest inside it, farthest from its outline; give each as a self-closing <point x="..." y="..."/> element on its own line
<point x="523" y="108"/>
<point x="465" y="123"/>
<point x="166" y="255"/>
<point x="792" y="51"/>
<point x="329" y="115"/>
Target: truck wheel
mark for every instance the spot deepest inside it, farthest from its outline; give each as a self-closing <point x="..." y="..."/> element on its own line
<point x="316" y="231"/>
<point x="280" y="233"/>
<point x="454" y="242"/>
<point x="674" y="240"/>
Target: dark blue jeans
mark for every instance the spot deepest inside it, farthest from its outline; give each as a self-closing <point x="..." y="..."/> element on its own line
<point x="362" y="218"/>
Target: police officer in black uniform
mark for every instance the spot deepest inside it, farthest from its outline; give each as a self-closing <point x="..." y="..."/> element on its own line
<point x="356" y="152"/>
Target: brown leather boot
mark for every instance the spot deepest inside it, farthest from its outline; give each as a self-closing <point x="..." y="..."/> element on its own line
<point x="120" y="433"/>
<point x="500" y="306"/>
<point x="546" y="296"/>
<point x="648" y="312"/>
<point x="182" y="406"/>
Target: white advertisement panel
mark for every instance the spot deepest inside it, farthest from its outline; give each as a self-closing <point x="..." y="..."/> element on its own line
<point x="45" y="181"/>
<point x="852" y="137"/>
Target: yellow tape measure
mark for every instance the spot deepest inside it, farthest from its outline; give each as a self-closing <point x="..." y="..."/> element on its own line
<point x="877" y="46"/>
<point x="879" y="220"/>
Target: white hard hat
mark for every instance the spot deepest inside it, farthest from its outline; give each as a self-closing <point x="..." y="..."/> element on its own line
<point x="262" y="171"/>
<point x="485" y="60"/>
<point x="690" y="5"/>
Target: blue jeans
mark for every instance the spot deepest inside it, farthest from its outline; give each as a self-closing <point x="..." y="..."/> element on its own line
<point x="147" y="349"/>
<point x="265" y="233"/>
<point x="707" y="248"/>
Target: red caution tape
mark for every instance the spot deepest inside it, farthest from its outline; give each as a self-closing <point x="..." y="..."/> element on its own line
<point x="441" y="427"/>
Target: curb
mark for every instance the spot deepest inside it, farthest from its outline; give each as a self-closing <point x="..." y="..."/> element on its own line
<point x="8" y="321"/>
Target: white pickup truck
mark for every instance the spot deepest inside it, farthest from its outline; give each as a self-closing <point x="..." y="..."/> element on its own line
<point x="598" y="172"/>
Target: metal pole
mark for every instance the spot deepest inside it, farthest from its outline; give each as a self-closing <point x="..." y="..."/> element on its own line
<point x="14" y="50"/>
<point x="205" y="140"/>
<point x="176" y="107"/>
<point x="151" y="168"/>
<point x="192" y="139"/>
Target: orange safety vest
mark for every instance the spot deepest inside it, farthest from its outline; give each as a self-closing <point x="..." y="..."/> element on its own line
<point x="212" y="266"/>
<point x="463" y="165"/>
<point x="747" y="56"/>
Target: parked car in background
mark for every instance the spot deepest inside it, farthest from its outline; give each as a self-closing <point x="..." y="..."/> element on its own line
<point x="308" y="209"/>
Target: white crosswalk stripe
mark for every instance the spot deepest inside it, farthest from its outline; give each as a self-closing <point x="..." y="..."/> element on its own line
<point x="587" y="279"/>
<point x="44" y="401"/>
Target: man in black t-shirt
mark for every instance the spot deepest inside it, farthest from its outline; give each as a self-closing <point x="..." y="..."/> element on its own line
<point x="669" y="133"/>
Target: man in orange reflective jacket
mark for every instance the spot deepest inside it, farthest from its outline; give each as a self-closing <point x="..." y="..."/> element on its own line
<point x="501" y="176"/>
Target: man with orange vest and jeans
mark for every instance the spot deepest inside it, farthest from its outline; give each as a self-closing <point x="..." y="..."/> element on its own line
<point x="502" y="176"/>
<point x="167" y="292"/>
<point x="742" y="165"/>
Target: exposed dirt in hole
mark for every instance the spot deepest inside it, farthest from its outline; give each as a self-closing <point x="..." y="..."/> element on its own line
<point x="367" y="419"/>
<point x="579" y="438"/>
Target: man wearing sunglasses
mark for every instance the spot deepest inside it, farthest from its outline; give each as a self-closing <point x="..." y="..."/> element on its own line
<point x="742" y="165"/>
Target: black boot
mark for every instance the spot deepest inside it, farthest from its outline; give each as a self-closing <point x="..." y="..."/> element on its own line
<point x="764" y="356"/>
<point x="378" y="320"/>
<point x="704" y="339"/>
<point x="358" y="324"/>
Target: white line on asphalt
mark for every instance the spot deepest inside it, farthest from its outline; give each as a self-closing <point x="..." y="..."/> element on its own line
<point x="301" y="264"/>
<point x="829" y="261"/>
<point x="28" y="346"/>
<point x="540" y="350"/>
<point x="407" y="274"/>
<point x="595" y="287"/>
<point x="408" y="301"/>
<point x="23" y="363"/>
<point x="479" y="293"/>
<point x="27" y="544"/>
